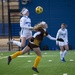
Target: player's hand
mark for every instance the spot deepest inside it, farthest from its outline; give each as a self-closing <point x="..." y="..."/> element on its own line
<point x="60" y="39"/>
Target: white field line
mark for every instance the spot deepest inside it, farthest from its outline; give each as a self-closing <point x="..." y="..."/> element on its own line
<point x="65" y="74"/>
<point x="34" y="74"/>
<point x="29" y="60"/>
<point x="35" y="56"/>
<point x="71" y="60"/>
<point x="2" y="57"/>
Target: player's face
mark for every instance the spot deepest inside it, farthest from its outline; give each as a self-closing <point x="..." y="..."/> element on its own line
<point x="62" y="26"/>
<point x="27" y="13"/>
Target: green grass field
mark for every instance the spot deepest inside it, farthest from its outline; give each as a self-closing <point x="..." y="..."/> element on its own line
<point x="50" y="64"/>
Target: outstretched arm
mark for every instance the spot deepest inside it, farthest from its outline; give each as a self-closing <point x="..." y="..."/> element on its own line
<point x="27" y="27"/>
<point x="50" y="37"/>
<point x="56" y="39"/>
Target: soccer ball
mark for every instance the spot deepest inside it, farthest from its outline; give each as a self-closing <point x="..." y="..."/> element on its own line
<point x="39" y="10"/>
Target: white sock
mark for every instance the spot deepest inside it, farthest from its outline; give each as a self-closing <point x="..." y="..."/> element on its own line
<point x="17" y="43"/>
<point x="65" y="52"/>
<point x="61" y="55"/>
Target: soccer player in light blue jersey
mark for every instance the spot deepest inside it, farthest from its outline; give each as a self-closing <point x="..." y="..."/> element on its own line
<point x="25" y="25"/>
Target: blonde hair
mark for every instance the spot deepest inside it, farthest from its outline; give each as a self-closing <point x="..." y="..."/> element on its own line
<point x="40" y="25"/>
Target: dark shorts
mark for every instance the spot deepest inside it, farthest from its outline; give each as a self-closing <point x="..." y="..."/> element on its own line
<point x="32" y="45"/>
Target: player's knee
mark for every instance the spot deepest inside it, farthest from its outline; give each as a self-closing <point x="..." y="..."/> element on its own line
<point x="39" y="57"/>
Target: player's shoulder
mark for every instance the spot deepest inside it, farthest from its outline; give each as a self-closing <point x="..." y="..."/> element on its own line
<point x="59" y="30"/>
<point x="66" y="29"/>
<point x="23" y="18"/>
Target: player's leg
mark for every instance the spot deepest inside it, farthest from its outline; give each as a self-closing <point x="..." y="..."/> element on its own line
<point x="23" y="37"/>
<point x="37" y="60"/>
<point x="62" y="53"/>
<point x="66" y="49"/>
<point x="61" y="45"/>
<point x="23" y="42"/>
<point x="25" y="50"/>
<point x="18" y="43"/>
<point x="29" y="36"/>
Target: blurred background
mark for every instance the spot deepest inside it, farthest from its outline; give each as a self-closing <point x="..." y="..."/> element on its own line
<point x="55" y="12"/>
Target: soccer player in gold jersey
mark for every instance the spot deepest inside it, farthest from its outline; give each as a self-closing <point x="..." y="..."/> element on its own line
<point x="41" y="32"/>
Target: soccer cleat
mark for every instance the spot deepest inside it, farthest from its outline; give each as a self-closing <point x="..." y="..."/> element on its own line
<point x="9" y="59"/>
<point x="63" y="60"/>
<point x="35" y="69"/>
<point x="10" y="42"/>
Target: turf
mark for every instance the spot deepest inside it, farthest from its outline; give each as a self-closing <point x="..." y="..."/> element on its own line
<point x="50" y="64"/>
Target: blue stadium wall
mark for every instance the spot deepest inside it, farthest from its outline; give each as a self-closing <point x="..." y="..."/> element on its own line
<point x="55" y="12"/>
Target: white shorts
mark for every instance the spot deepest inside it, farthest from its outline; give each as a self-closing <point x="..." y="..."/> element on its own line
<point x="26" y="34"/>
<point x="63" y="43"/>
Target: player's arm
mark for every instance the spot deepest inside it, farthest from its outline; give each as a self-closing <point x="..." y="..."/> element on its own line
<point x="50" y="37"/>
<point x="39" y="26"/>
<point x="66" y="36"/>
<point x="35" y="28"/>
<point x="30" y="28"/>
<point x="37" y="33"/>
<point x="56" y="39"/>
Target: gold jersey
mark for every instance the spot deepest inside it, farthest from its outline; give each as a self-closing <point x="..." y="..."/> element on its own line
<point x="39" y="37"/>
